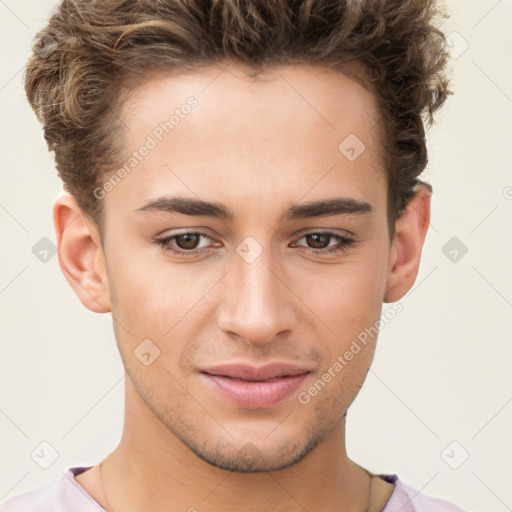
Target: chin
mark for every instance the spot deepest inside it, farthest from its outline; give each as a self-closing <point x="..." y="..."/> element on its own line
<point x="258" y="457"/>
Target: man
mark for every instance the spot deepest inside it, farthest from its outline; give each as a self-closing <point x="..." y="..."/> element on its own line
<point x="242" y="195"/>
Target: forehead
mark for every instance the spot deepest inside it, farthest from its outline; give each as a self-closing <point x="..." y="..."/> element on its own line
<point x="292" y="131"/>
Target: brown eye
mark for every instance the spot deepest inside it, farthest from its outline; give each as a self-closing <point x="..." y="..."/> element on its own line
<point x="318" y="240"/>
<point x="186" y="244"/>
<point x="187" y="241"/>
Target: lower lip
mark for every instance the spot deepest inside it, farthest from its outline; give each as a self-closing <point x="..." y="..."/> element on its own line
<point x="255" y="395"/>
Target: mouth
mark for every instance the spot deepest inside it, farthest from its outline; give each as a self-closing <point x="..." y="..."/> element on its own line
<point x="255" y="387"/>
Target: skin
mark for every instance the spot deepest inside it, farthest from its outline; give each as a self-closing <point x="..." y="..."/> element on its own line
<point x="259" y="146"/>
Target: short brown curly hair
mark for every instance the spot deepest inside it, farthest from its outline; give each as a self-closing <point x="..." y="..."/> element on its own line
<point x="93" y="50"/>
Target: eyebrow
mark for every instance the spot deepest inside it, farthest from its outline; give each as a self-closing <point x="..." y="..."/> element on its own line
<point x="322" y="208"/>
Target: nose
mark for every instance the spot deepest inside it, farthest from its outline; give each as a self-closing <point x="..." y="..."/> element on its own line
<point x="257" y="304"/>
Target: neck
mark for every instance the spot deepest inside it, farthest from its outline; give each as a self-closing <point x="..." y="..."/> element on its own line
<point x="151" y="469"/>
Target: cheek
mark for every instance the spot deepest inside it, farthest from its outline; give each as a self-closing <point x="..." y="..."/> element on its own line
<point x="346" y="298"/>
<point x="138" y="301"/>
<point x="349" y="303"/>
<point x="149" y="298"/>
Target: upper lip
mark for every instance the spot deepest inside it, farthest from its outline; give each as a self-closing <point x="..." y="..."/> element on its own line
<point x="255" y="373"/>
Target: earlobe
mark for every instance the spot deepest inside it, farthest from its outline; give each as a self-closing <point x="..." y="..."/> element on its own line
<point x="405" y="254"/>
<point x="80" y="254"/>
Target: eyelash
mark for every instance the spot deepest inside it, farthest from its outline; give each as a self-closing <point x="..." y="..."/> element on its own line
<point x="345" y="243"/>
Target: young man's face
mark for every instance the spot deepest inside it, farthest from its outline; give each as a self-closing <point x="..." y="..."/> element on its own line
<point x="257" y="292"/>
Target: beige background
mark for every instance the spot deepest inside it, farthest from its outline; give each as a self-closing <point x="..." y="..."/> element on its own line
<point x="442" y="369"/>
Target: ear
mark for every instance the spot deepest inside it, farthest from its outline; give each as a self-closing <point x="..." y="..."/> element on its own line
<point x="405" y="254"/>
<point x="80" y="254"/>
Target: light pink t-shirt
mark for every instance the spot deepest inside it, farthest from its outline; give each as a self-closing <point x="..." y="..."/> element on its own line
<point x="65" y="494"/>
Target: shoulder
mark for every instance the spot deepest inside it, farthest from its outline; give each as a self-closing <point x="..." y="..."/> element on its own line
<point x="407" y="499"/>
<point x="56" y="496"/>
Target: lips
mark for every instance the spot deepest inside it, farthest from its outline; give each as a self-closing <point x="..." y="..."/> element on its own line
<point x="255" y="387"/>
<point x="247" y="372"/>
